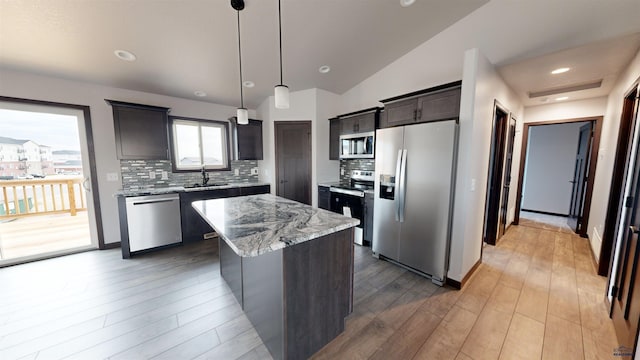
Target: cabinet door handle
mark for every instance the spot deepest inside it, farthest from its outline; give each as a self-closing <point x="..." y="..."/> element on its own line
<point x="634" y="229"/>
<point x="419" y="116"/>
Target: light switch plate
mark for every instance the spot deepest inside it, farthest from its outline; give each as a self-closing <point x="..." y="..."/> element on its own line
<point x="112" y="176"/>
<point x="152" y="174"/>
<point x="254" y="171"/>
<point x="236" y="172"/>
<point x="165" y="175"/>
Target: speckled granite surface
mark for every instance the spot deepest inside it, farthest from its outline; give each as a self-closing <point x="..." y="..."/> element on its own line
<point x="174" y="189"/>
<point x="257" y="224"/>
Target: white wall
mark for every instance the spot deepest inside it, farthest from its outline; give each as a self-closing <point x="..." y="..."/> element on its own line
<point x="608" y="142"/>
<point x="313" y="105"/>
<point x="551" y="155"/>
<point x="481" y="87"/>
<point x="29" y="86"/>
<point x="566" y="110"/>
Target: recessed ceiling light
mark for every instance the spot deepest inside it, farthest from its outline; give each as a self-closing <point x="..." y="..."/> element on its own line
<point x="199" y="93"/>
<point x="405" y="3"/>
<point x="125" y="55"/>
<point x="248" y="84"/>
<point x="324" y="69"/>
<point x="560" y="70"/>
<point x="562" y="98"/>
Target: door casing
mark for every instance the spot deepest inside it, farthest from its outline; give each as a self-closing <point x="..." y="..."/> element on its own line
<point x="595" y="147"/>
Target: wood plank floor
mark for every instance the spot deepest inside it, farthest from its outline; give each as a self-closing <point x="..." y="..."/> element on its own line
<point x="38" y="234"/>
<point x="535" y="296"/>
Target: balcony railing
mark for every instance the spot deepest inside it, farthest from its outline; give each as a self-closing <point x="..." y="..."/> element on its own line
<point x="20" y="198"/>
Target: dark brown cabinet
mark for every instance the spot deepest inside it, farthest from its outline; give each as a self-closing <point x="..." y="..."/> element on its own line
<point x="193" y="226"/>
<point x="324" y="197"/>
<point x="334" y="139"/>
<point x="399" y="113"/>
<point x="435" y="104"/>
<point x="249" y="140"/>
<point x="141" y="131"/>
<point x="358" y="123"/>
<point x="440" y="106"/>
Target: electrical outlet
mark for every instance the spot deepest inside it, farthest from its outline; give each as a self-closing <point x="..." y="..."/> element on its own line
<point x="236" y="172"/>
<point x="165" y="175"/>
<point x="473" y="185"/>
<point x="152" y="174"/>
<point x="112" y="176"/>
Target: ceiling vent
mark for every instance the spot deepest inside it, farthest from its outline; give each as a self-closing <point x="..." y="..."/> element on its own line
<point x="565" y="89"/>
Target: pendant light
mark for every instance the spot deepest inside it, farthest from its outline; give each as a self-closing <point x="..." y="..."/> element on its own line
<point x="281" y="91"/>
<point x="242" y="115"/>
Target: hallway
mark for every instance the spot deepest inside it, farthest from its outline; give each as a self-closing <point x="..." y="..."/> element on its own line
<point x="536" y="295"/>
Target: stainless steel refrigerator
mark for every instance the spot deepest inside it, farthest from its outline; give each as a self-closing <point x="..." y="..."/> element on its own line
<point x="414" y="182"/>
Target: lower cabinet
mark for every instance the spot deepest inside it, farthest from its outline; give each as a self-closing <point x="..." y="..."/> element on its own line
<point x="194" y="227"/>
<point x="324" y="197"/>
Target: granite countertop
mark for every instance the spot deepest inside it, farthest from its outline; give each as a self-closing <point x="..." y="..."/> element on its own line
<point x="257" y="224"/>
<point x="177" y="189"/>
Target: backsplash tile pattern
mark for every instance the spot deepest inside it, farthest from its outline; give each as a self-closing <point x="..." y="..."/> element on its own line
<point x="354" y="164"/>
<point x="136" y="174"/>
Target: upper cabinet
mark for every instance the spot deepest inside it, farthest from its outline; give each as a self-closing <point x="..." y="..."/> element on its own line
<point x="359" y="121"/>
<point x="141" y="131"/>
<point x="434" y="104"/>
<point x="334" y="139"/>
<point x="249" y="140"/>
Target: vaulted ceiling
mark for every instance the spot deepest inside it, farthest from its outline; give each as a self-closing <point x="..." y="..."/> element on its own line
<point x="191" y="45"/>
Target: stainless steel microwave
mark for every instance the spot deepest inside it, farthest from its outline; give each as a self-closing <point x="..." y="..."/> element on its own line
<point x="357" y="146"/>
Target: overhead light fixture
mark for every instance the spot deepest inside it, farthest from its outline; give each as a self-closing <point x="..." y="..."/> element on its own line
<point x="242" y="115"/>
<point x="125" y="55"/>
<point x="248" y="84"/>
<point x="199" y="93"/>
<point x="561" y="98"/>
<point x="405" y="3"/>
<point x="324" y="69"/>
<point x="281" y="91"/>
<point x="560" y="70"/>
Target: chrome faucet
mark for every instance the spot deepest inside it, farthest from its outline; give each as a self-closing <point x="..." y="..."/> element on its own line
<point x="205" y="177"/>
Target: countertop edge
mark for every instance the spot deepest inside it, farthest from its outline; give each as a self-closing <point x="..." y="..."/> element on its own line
<point x="349" y="223"/>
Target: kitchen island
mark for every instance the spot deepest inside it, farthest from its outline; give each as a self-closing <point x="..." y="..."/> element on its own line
<point x="289" y="265"/>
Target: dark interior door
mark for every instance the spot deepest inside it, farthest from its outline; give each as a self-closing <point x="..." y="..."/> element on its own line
<point x="506" y="185"/>
<point x="293" y="160"/>
<point x="494" y="180"/>
<point x="625" y="308"/>
<point x="579" y="182"/>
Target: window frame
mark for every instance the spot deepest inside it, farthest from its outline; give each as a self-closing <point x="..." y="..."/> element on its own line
<point x="200" y="122"/>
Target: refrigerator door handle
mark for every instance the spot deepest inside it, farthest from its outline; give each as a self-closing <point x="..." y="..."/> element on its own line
<point x="397" y="185"/>
<point x="403" y="185"/>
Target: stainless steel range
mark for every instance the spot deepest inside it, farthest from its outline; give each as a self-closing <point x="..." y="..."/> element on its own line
<point x="351" y="199"/>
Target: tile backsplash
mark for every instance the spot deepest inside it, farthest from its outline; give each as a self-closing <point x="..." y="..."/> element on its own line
<point x="146" y="174"/>
<point x="354" y="164"/>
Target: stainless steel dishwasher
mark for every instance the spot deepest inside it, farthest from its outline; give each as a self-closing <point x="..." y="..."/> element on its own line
<point x="153" y="221"/>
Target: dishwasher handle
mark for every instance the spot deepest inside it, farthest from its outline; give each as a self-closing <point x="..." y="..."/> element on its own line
<point x="155" y="201"/>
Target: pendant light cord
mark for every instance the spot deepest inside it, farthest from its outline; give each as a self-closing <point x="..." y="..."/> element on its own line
<point x="280" y="33"/>
<point x="240" y="62"/>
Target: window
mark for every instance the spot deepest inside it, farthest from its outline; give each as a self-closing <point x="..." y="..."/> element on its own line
<point x="197" y="143"/>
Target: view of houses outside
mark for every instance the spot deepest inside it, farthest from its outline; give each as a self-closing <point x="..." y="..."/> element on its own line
<point x="42" y="201"/>
<point x="35" y="145"/>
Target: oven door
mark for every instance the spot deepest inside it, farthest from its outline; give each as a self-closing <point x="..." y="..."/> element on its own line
<point x="352" y="206"/>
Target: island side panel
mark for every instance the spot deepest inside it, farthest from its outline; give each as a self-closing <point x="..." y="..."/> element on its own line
<point x="263" y="299"/>
<point x="231" y="269"/>
<point x="318" y="285"/>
